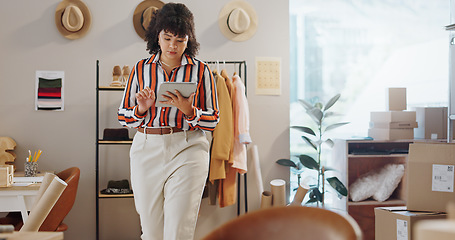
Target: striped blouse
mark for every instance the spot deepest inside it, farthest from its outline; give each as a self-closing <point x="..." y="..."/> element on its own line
<point x="149" y="73"/>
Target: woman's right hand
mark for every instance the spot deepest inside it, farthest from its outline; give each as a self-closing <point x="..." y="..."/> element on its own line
<point x="145" y="100"/>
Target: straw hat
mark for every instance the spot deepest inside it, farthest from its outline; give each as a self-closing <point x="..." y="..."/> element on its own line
<point x="143" y="14"/>
<point x="238" y="21"/>
<point x="73" y="18"/>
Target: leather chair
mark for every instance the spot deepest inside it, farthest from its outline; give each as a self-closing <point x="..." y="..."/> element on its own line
<point x="44" y="203"/>
<point x="54" y="220"/>
<point x="292" y="222"/>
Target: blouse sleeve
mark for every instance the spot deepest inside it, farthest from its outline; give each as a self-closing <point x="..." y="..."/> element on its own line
<point x="243" y="115"/>
<point x="127" y="113"/>
<point x="206" y="112"/>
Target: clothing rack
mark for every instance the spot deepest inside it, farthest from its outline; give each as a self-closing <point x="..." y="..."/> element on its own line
<point x="241" y="70"/>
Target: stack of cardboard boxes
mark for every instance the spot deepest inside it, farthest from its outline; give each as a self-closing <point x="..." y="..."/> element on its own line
<point x="396" y="122"/>
<point x="443" y="229"/>
<point x="432" y="123"/>
<point x="430" y="188"/>
<point x="429" y="173"/>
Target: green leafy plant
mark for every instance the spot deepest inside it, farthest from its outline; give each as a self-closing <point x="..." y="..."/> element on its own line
<point x="315" y="138"/>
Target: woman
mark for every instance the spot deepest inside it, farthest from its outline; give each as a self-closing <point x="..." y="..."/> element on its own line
<point x="169" y="155"/>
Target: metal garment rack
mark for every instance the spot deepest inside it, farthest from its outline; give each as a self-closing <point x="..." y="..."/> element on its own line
<point x="241" y="70"/>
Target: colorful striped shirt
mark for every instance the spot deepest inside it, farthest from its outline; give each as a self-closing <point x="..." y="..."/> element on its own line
<point x="149" y="73"/>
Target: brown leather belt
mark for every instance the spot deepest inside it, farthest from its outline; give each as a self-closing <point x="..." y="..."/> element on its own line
<point x="160" y="131"/>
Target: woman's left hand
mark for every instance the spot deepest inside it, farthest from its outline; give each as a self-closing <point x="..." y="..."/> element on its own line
<point x="182" y="103"/>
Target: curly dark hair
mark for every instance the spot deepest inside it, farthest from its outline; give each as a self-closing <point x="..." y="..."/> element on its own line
<point x="177" y="19"/>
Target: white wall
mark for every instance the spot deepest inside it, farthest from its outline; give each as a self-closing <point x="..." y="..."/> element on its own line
<point x="29" y="41"/>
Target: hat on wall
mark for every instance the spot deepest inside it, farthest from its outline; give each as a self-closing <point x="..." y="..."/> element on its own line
<point x="238" y="21"/>
<point x="143" y="14"/>
<point x="73" y="18"/>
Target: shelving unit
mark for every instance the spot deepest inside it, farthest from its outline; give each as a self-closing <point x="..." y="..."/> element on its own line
<point x="239" y="66"/>
<point x="99" y="141"/>
<point x="362" y="156"/>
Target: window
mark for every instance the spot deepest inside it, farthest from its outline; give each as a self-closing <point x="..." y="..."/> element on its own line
<point x="361" y="48"/>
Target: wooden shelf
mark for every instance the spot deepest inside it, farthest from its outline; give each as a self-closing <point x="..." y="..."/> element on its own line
<point x="365" y="156"/>
<point x="109" y="88"/>
<point x="377" y="155"/>
<point x="381" y="141"/>
<point x="115" y="142"/>
<point x="373" y="202"/>
<point x="100" y="195"/>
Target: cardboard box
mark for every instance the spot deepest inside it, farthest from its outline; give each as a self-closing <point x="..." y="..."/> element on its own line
<point x="430" y="176"/>
<point x="393" y="116"/>
<point x="432" y="120"/>
<point x="396" y="99"/>
<point x="435" y="229"/>
<point x="393" y="124"/>
<point x="398" y="223"/>
<point x="6" y="175"/>
<point x="391" y="133"/>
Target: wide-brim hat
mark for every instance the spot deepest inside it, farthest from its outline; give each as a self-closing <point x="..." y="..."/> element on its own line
<point x="115" y="134"/>
<point x="73" y="18"/>
<point x="117" y="187"/>
<point x="143" y="14"/>
<point x="238" y="21"/>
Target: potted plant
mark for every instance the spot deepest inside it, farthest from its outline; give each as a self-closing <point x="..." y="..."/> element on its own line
<point x="315" y="137"/>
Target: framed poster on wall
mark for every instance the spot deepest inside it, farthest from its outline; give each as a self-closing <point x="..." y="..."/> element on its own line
<point x="49" y="90"/>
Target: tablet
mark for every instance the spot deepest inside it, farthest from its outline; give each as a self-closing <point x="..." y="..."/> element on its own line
<point x="185" y="88"/>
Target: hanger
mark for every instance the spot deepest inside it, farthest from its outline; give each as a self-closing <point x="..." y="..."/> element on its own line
<point x="224" y="70"/>
<point x="213" y="66"/>
<point x="224" y="74"/>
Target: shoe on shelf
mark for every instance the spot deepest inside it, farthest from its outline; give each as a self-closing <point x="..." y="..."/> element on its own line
<point x="125" y="75"/>
<point x="116" y="77"/>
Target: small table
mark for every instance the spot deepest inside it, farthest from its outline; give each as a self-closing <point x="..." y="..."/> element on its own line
<point x="18" y="199"/>
<point x="32" y="236"/>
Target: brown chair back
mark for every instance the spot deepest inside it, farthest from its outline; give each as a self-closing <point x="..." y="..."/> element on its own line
<point x="44" y="205"/>
<point x="54" y="221"/>
<point x="293" y="222"/>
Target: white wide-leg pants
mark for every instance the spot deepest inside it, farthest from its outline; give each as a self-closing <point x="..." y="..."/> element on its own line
<point x="168" y="174"/>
